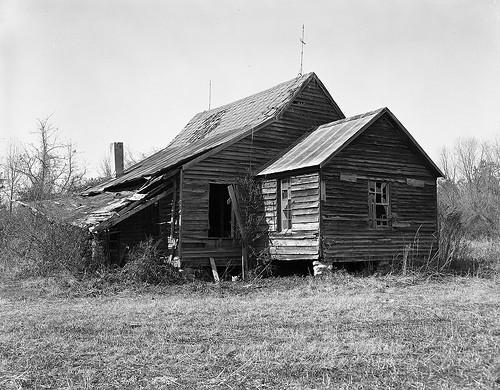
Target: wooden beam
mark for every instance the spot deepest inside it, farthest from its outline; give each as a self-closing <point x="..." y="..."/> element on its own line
<point x="239" y="219"/>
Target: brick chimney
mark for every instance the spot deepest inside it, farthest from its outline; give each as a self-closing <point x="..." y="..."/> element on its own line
<point x="117" y="158"/>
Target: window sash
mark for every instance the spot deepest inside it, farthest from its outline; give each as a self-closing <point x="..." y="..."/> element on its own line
<point x="285" y="205"/>
<point x="379" y="204"/>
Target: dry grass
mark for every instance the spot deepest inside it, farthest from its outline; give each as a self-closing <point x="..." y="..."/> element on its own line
<point x="334" y="333"/>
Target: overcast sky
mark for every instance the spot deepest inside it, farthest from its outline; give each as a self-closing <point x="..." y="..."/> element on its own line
<point x="137" y="71"/>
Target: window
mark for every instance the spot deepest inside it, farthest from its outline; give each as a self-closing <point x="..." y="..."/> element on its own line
<point x="379" y="204"/>
<point x="219" y="211"/>
<point x="285" y="205"/>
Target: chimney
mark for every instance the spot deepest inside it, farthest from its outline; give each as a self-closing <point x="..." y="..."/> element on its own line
<point x="117" y="158"/>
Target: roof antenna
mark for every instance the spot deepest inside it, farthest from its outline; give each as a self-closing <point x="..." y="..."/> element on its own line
<point x="209" y="93"/>
<point x="302" y="43"/>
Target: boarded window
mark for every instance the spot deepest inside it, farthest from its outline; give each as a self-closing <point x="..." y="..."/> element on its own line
<point x="379" y="204"/>
<point x="285" y="205"/>
<point x="219" y="211"/>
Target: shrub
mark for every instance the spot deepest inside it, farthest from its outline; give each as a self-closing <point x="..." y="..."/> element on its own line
<point x="451" y="237"/>
<point x="33" y="245"/>
<point x="479" y="258"/>
<point x="458" y="253"/>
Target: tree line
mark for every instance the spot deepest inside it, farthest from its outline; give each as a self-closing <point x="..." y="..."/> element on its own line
<point x="471" y="188"/>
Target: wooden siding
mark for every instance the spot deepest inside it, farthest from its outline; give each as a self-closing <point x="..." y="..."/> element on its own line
<point x="139" y="226"/>
<point x="379" y="154"/>
<point x="302" y="242"/>
<point x="310" y="109"/>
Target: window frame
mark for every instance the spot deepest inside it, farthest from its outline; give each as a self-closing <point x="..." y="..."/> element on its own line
<point x="284" y="214"/>
<point x="379" y="199"/>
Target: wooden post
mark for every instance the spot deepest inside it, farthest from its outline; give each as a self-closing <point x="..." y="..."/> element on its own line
<point x="239" y="220"/>
<point x="405" y="259"/>
<point x="214" y="270"/>
<point x="244" y="262"/>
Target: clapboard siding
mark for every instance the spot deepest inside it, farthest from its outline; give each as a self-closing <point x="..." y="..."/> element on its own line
<point x="380" y="153"/>
<point x="302" y="242"/>
<point x="310" y="109"/>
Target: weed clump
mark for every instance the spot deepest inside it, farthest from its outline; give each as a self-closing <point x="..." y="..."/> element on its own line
<point x="146" y="263"/>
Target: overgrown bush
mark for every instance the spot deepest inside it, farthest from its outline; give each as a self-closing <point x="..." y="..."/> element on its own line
<point x="146" y="263"/>
<point x="459" y="252"/>
<point x="32" y="245"/>
<point x="254" y="227"/>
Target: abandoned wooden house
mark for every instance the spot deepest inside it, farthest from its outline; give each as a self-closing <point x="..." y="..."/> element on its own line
<point x="334" y="189"/>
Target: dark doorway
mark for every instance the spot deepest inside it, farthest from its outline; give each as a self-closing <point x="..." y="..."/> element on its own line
<point x="219" y="212"/>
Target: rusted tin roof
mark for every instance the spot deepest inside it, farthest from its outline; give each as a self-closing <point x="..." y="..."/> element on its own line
<point x="242" y="114"/>
<point x="327" y="140"/>
<point x="212" y="128"/>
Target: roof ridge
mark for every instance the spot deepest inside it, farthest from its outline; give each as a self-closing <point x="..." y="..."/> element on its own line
<point x="354" y="117"/>
<point x="305" y="77"/>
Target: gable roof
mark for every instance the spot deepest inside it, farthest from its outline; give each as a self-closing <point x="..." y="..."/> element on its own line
<point x="210" y="129"/>
<point x="318" y="147"/>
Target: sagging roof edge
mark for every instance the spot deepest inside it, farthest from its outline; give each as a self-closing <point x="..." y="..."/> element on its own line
<point x="146" y="179"/>
<point x="127" y="212"/>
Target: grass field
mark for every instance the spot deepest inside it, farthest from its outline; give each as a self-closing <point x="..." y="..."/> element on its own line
<point x="339" y="332"/>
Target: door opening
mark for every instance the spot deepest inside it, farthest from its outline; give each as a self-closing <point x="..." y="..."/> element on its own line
<point x="219" y="211"/>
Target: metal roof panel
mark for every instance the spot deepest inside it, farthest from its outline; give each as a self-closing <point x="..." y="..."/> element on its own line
<point x="318" y="146"/>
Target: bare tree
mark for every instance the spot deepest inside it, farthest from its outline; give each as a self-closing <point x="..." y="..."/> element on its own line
<point x="448" y="164"/>
<point x="12" y="175"/>
<point x="49" y="166"/>
<point x="105" y="169"/>
<point x="472" y="184"/>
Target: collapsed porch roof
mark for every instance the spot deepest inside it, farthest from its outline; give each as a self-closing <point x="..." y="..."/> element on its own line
<point x="100" y="211"/>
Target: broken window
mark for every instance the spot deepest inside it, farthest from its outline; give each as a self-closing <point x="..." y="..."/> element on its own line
<point x="219" y="211"/>
<point x="285" y="205"/>
<point x="379" y="204"/>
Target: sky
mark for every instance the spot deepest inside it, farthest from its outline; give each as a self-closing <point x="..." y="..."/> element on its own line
<point x="138" y="71"/>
